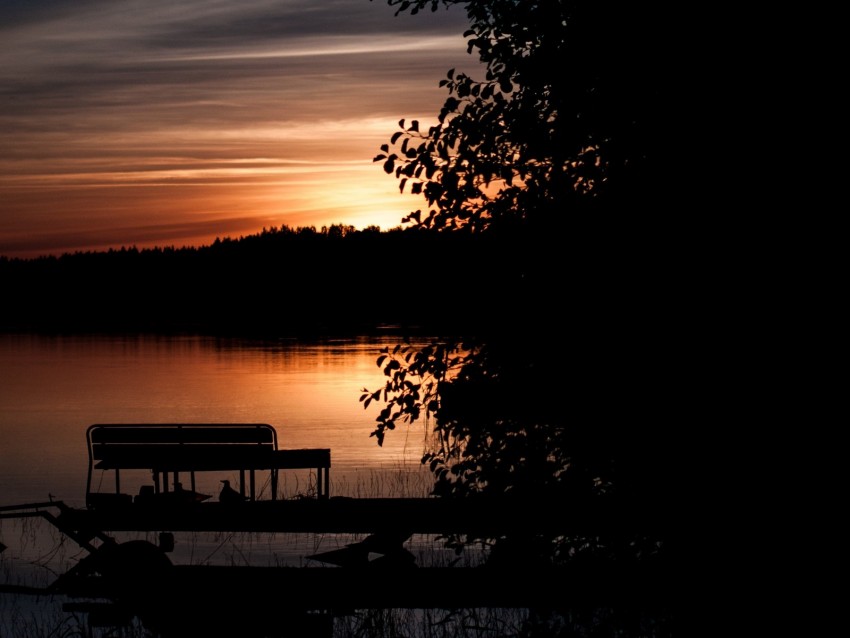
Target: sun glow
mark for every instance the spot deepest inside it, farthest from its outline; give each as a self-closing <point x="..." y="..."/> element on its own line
<point x="204" y="120"/>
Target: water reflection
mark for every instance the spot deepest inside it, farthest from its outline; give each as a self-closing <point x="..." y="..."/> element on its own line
<point x="53" y="388"/>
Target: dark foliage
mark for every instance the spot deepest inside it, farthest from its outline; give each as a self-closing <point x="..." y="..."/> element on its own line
<point x="281" y="281"/>
<point x="570" y="389"/>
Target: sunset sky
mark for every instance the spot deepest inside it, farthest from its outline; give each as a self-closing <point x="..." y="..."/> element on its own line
<point x="161" y="123"/>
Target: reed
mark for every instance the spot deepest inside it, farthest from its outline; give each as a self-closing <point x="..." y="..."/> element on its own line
<point x="431" y="623"/>
<point x="40" y="553"/>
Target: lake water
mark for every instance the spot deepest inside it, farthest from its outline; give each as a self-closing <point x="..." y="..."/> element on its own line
<point x="52" y="388"/>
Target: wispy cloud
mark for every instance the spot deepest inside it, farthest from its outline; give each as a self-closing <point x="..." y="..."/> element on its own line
<point x="99" y="99"/>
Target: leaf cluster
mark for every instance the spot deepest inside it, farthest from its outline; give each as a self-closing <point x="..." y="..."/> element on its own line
<point x="415" y="376"/>
<point x="566" y="112"/>
<point x="566" y="122"/>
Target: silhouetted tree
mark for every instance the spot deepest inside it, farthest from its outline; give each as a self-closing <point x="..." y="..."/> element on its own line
<point x="268" y="283"/>
<point x="560" y="153"/>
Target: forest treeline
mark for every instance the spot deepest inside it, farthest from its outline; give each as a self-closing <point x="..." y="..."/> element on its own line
<point x="281" y="281"/>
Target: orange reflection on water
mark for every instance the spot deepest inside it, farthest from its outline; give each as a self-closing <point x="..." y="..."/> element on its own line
<point x="53" y="388"/>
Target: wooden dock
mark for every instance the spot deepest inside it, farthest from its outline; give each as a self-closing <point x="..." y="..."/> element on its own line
<point x="138" y="578"/>
<point x="482" y="517"/>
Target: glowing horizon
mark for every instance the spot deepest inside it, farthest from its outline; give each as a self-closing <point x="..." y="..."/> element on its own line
<point x="175" y="125"/>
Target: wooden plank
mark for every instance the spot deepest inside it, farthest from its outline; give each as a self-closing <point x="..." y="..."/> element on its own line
<point x="181" y="433"/>
<point x="250" y="590"/>
<point x="183" y="458"/>
<point x="484" y="517"/>
<point x="299" y="459"/>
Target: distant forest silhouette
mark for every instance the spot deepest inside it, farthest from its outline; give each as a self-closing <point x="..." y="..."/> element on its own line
<point x="280" y="282"/>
